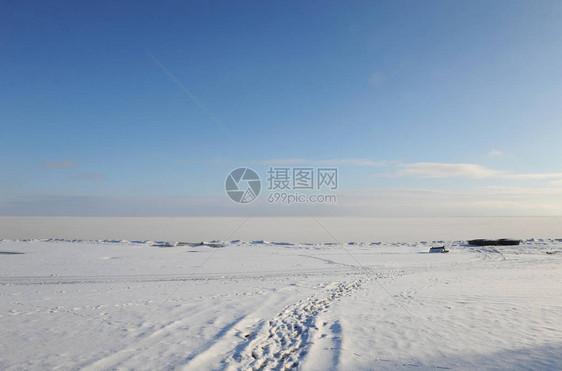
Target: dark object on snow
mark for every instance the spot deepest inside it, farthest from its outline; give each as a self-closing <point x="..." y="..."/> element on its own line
<point x="507" y="241"/>
<point x="209" y="244"/>
<point x="163" y="244"/>
<point x="483" y="242"/>
<point x="212" y="244"/>
<point x="440" y="249"/>
<point x="501" y="242"/>
<point x="190" y="244"/>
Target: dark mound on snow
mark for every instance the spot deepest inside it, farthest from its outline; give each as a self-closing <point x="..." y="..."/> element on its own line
<point x="500" y="242"/>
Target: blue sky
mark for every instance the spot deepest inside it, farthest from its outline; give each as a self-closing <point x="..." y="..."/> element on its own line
<point x="464" y="114"/>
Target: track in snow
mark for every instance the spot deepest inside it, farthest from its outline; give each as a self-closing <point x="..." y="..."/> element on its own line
<point x="283" y="341"/>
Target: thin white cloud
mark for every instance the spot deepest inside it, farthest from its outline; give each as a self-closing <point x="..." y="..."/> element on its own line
<point x="520" y="191"/>
<point x="498" y="154"/>
<point x="338" y="162"/>
<point x="90" y="176"/>
<point x="535" y="176"/>
<point x="488" y="201"/>
<point x="555" y="182"/>
<point x="372" y="202"/>
<point x="467" y="171"/>
<point x="218" y="159"/>
<point x="444" y="170"/>
<point x="58" y="165"/>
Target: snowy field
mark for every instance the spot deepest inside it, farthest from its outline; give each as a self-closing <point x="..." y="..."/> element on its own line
<point x="101" y="305"/>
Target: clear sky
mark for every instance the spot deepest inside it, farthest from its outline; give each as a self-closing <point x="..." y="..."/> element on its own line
<point x="438" y="108"/>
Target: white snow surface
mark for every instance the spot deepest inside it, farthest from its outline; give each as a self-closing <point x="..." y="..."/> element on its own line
<point x="104" y="305"/>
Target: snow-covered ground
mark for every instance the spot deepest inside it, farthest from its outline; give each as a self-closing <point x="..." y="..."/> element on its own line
<point x="132" y="305"/>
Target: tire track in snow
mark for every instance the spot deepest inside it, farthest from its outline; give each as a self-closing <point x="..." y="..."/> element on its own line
<point x="284" y="340"/>
<point x="218" y="276"/>
<point x="330" y="261"/>
<point x="489" y="253"/>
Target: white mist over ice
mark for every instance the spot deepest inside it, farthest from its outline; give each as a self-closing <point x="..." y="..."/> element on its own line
<point x="300" y="229"/>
